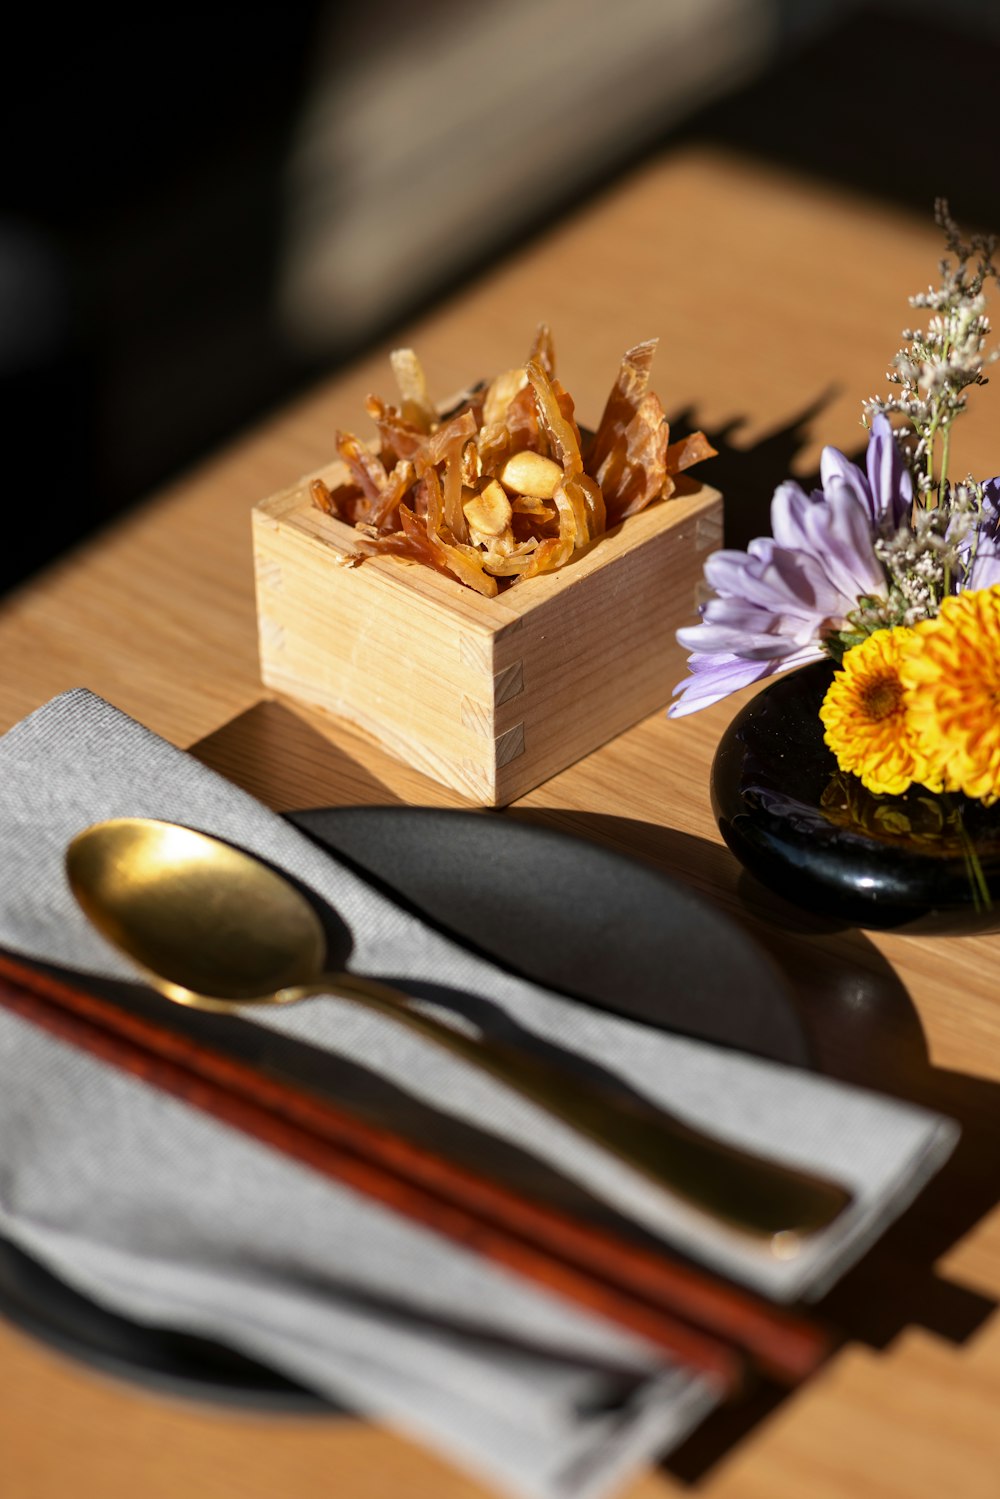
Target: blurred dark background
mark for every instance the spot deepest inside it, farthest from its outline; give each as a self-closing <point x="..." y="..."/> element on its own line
<point x="207" y="209"/>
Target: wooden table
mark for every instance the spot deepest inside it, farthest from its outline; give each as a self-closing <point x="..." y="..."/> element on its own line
<point x="779" y="304"/>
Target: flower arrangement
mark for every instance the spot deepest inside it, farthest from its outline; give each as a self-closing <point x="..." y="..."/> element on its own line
<point x="891" y="571"/>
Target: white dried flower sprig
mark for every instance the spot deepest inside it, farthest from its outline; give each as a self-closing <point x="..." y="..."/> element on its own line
<point x="938" y="364"/>
<point x="872" y="548"/>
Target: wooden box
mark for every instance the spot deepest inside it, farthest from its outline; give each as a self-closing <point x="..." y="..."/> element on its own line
<point x="488" y="696"/>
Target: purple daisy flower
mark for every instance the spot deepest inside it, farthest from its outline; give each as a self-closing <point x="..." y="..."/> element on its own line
<point x="886" y="492"/>
<point x="777" y="602"/>
<point x="985" y="569"/>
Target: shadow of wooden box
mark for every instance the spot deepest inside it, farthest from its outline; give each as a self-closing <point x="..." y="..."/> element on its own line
<point x="488" y="696"/>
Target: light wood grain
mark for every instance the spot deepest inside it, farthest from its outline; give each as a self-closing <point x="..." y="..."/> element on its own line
<point x="772" y="334"/>
<point x="490" y="696"/>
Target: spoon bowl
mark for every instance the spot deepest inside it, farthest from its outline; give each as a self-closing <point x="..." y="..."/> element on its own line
<point x="202" y="919"/>
<point x="215" y="928"/>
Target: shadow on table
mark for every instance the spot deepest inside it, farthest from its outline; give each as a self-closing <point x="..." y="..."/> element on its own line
<point x="748" y="476"/>
<point x="863" y="1029"/>
<point x="860" y="1022"/>
<point x="857" y="1018"/>
<point x="270" y="752"/>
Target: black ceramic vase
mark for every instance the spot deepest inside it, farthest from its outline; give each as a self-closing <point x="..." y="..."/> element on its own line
<point x="918" y="862"/>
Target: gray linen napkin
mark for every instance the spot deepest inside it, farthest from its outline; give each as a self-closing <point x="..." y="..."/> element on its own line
<point x="171" y="1218"/>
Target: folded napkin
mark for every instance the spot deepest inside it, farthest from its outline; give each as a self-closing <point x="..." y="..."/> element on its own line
<point x="169" y="1217"/>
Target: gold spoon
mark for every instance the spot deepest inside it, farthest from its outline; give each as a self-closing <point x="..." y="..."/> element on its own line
<point x="214" y="928"/>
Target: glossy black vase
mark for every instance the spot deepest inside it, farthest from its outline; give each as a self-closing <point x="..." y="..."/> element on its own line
<point x="916" y="862"/>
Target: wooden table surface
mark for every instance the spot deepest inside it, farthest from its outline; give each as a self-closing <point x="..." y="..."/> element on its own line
<point x="779" y="303"/>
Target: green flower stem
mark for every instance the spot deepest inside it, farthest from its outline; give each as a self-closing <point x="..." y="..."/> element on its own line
<point x="931" y="437"/>
<point x="943" y="475"/>
<point x="981" y="898"/>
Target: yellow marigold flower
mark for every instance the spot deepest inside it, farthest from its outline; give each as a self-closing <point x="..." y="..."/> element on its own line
<point x="951" y="673"/>
<point x="866" y="718"/>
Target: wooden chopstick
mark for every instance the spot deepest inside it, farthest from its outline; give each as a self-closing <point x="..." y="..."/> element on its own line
<point x="701" y="1321"/>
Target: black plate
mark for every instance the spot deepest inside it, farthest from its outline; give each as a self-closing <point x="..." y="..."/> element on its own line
<point x="822" y="841"/>
<point x="570" y="914"/>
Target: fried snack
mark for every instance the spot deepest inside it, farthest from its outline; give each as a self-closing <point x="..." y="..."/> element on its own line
<point x="506" y="485"/>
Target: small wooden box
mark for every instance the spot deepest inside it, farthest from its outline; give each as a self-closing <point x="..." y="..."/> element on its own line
<point x="488" y="696"/>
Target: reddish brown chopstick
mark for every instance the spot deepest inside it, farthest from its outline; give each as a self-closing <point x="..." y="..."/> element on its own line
<point x="703" y="1322"/>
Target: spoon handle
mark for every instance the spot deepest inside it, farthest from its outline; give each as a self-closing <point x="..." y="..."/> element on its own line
<point x="764" y="1199"/>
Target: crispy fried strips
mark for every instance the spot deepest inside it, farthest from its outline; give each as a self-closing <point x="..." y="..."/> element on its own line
<point x="506" y="486"/>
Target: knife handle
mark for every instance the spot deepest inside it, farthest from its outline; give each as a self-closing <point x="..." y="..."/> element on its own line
<point x="773" y="1203"/>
